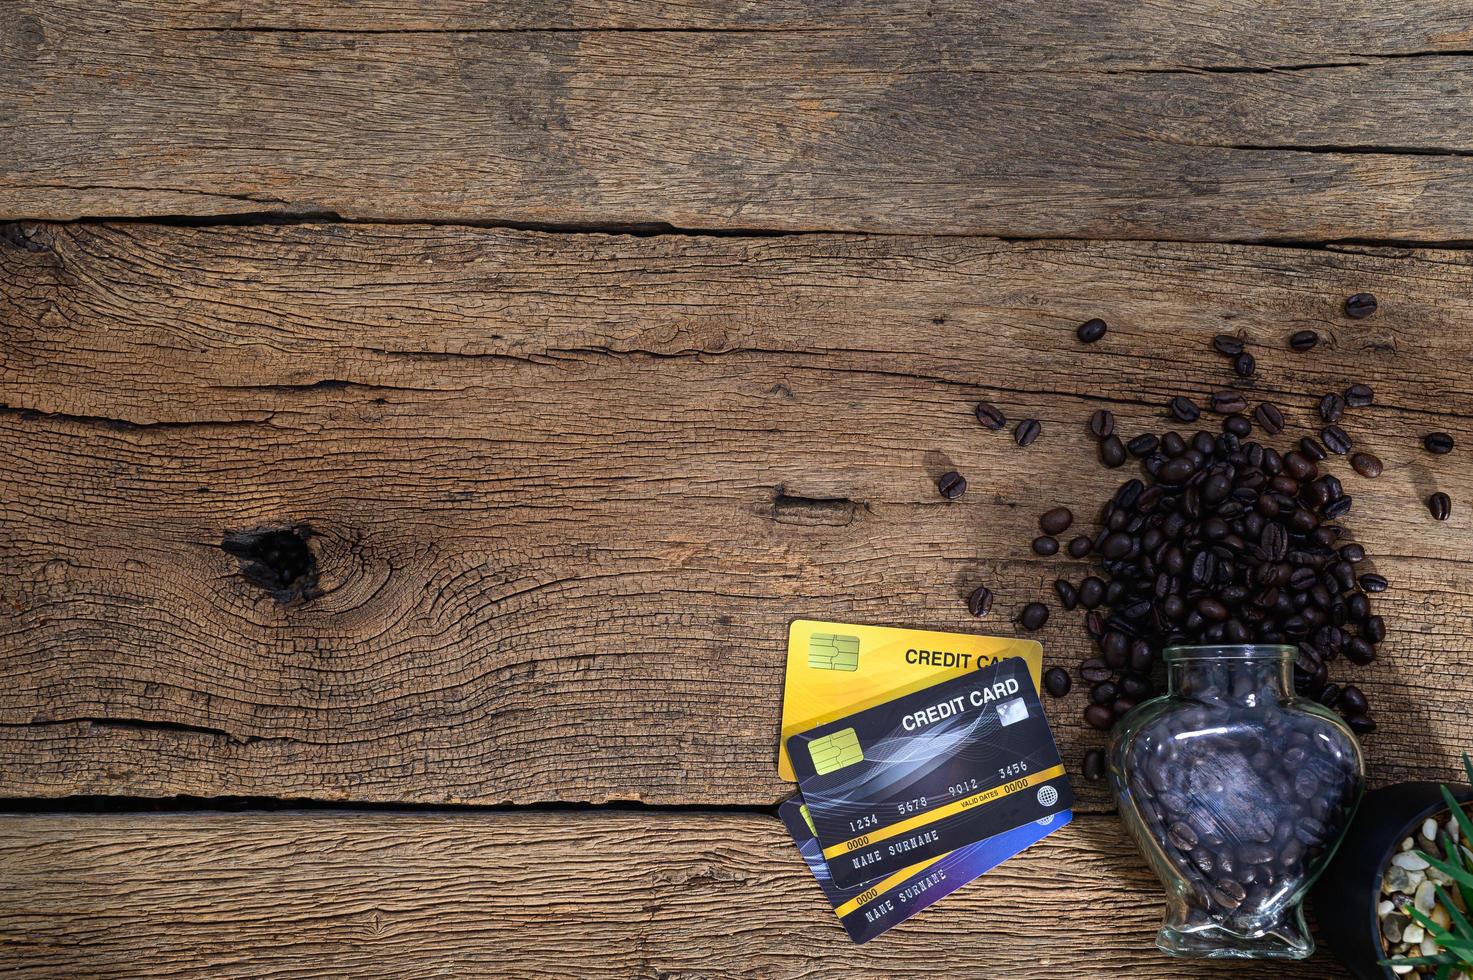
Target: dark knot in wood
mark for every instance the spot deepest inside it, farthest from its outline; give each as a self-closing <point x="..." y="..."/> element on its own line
<point x="277" y="559"/>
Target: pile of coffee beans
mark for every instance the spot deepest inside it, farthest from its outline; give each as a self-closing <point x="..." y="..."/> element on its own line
<point x="1223" y="539"/>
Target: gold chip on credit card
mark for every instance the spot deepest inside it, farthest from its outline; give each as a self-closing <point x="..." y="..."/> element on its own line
<point x="835" y="751"/>
<point x="833" y="651"/>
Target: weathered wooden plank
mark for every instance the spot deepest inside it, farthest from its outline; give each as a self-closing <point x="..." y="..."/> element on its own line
<point x="1316" y="120"/>
<point x="567" y="491"/>
<point x="543" y="895"/>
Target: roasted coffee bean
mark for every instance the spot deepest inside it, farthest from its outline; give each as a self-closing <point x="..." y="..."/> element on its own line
<point x="1105" y="692"/>
<point x="1366" y="465"/>
<point x="1374" y="629"/>
<point x="1360" y="306"/>
<point x="1079" y="546"/>
<point x="1337" y="507"/>
<point x="1441" y="507"/>
<point x="1332" y="407"/>
<point x="1228" y="402"/>
<point x="1112" y="452"/>
<point x="1143" y="445"/>
<point x="1068" y="595"/>
<point x="1055" y="521"/>
<point x="1371" y="582"/>
<point x="1237" y="425"/>
<point x="1361" y="724"/>
<point x="1056" y="681"/>
<point x="1352" y="701"/>
<point x="1099" y="716"/>
<point x="1027" y="431"/>
<point x="1184" y="409"/>
<point x="979" y="603"/>
<point x="1091" y="330"/>
<point x="1438" y="442"/>
<point x="1094" y="671"/>
<point x="1299" y="467"/>
<point x="1359" y="396"/>
<point x="1045" y="546"/>
<point x="1336" y="441"/>
<point x="1094" y="765"/>
<point x="1269" y="418"/>
<point x="1311" y="449"/>
<point x="1091" y="592"/>
<point x="1353" y="553"/>
<point x="1244" y="365"/>
<point x="1303" y="340"/>
<point x="990" y="417"/>
<point x="1033" y="616"/>
<point x="1226" y="343"/>
<point x="952" y="485"/>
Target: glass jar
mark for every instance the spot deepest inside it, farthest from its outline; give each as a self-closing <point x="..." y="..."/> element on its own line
<point x="1238" y="793"/>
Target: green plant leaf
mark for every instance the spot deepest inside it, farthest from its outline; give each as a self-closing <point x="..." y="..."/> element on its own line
<point x="1462" y="926"/>
<point x="1468" y="767"/>
<point x="1465" y="824"/>
<point x="1459" y="874"/>
<point x="1445" y="971"/>
<point x="1421" y="960"/>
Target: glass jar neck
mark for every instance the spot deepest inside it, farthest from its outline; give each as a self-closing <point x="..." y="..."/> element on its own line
<point x="1244" y="679"/>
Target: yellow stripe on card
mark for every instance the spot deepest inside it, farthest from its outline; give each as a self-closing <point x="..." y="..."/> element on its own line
<point x="950" y="809"/>
<point x="874" y="891"/>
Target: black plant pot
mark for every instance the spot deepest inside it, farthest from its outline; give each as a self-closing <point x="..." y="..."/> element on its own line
<point x="1347" y="894"/>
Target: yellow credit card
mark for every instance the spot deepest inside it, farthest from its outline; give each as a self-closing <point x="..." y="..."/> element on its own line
<point x="836" y="669"/>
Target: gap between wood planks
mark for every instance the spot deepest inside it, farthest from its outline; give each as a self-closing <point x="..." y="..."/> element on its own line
<point x="11" y="225"/>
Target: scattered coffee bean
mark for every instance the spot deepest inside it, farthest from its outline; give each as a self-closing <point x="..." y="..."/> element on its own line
<point x="1026" y="432"/>
<point x="1336" y="441"/>
<point x="1352" y="701"/>
<point x="1033" y="616"/>
<point x="1055" y="521"/>
<point x="1068" y="595"/>
<point x="1441" y="506"/>
<point x="1091" y="330"/>
<point x="1228" y="402"/>
<point x="1438" y="442"/>
<point x="1057" y="682"/>
<point x="990" y="417"/>
<point x="1360" y="724"/>
<point x="1360" y="306"/>
<point x="1112" y="452"/>
<point x="1244" y="365"/>
<point x="1311" y="449"/>
<point x="1142" y="445"/>
<point x="1371" y="582"/>
<point x="1303" y="340"/>
<point x="1080" y="546"/>
<point x="1094" y="765"/>
<point x="1359" y="396"/>
<point x="1226" y="343"/>
<point x="1269" y="418"/>
<point x="1105" y="692"/>
<point x="1094" y="671"/>
<point x="1332" y="407"/>
<point x="1091" y="592"/>
<point x="952" y="485"/>
<point x="1366" y="465"/>
<point x="979" y="603"/>
<point x="1237" y="425"/>
<point x="1099" y="716"/>
<point x="1045" y="546"/>
<point x="1102" y="423"/>
<point x="1185" y="409"/>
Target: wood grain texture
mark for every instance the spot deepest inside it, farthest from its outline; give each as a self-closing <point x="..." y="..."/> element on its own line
<point x="566" y="492"/>
<point x="1306" y="121"/>
<point x="533" y="895"/>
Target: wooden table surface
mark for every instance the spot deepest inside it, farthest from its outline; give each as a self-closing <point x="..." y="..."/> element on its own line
<point x="587" y="344"/>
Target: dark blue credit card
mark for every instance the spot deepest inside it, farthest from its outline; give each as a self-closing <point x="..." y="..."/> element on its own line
<point x="865" y="911"/>
<point x="929" y="772"/>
